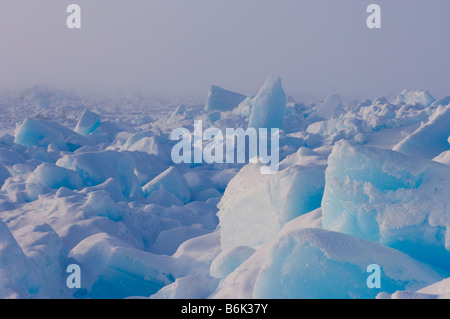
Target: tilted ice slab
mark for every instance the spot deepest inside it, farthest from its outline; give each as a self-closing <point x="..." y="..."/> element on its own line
<point x="88" y="122"/>
<point x="33" y="132"/>
<point x="268" y="107"/>
<point x="430" y="139"/>
<point x="222" y="100"/>
<point x="254" y="207"/>
<point x="385" y="196"/>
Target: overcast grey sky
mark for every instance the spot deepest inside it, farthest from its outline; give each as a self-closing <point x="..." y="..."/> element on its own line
<point x="180" y="47"/>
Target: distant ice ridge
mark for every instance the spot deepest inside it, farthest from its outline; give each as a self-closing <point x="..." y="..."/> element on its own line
<point x="413" y="97"/>
<point x="222" y="100"/>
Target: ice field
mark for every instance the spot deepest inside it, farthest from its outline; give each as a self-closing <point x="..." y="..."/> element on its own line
<point x="91" y="181"/>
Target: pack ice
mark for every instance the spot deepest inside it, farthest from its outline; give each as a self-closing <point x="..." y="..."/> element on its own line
<point x="90" y="181"/>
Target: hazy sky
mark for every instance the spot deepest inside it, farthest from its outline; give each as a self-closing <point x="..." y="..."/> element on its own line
<point x="180" y="47"/>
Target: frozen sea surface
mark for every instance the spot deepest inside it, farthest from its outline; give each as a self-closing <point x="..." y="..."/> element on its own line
<point x="90" y="181"/>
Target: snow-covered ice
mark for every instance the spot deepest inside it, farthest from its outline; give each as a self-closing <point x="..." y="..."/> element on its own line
<point x="312" y="263"/>
<point x="170" y="180"/>
<point x="268" y="106"/>
<point x="384" y="196"/>
<point x="430" y="139"/>
<point x="90" y="181"/>
<point x="412" y="97"/>
<point x="254" y="207"/>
